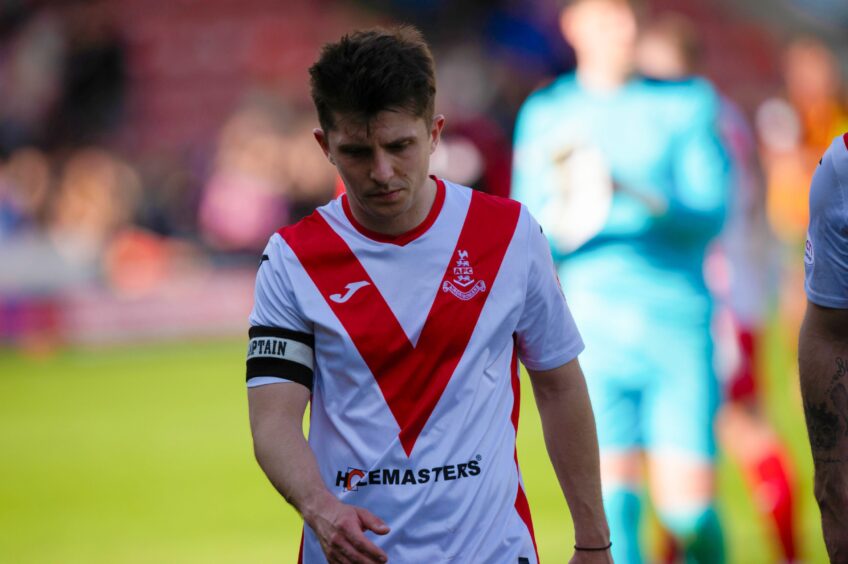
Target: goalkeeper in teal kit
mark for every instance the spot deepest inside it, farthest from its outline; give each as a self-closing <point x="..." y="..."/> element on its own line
<point x="628" y="179"/>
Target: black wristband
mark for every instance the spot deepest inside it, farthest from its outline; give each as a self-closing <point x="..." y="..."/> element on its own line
<point x="594" y="548"/>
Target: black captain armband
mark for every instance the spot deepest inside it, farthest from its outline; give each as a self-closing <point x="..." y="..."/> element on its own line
<point x="280" y="353"/>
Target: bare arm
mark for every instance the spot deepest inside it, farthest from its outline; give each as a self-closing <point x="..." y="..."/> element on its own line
<point x="276" y="419"/>
<point x="572" y="442"/>
<point x="823" y="367"/>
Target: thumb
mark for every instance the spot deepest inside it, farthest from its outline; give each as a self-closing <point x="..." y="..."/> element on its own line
<point x="371" y="522"/>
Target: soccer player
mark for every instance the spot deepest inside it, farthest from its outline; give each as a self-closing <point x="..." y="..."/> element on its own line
<point x="628" y="178"/>
<point x="823" y="343"/>
<point x="400" y="311"/>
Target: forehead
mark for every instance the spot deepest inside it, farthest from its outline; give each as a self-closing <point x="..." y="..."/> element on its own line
<point x="602" y="8"/>
<point x="386" y="126"/>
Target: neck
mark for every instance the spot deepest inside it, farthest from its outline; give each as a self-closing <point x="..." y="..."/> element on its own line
<point x="602" y="77"/>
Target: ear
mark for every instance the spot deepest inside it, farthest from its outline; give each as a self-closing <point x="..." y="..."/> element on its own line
<point x="436" y="131"/>
<point x="321" y="138"/>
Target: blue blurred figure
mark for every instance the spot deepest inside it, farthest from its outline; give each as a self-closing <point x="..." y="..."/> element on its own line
<point x="629" y="180"/>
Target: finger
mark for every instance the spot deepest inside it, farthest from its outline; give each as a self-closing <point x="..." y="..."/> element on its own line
<point x="371" y="522"/>
<point x="370" y="551"/>
<point x="355" y="556"/>
<point x="341" y="553"/>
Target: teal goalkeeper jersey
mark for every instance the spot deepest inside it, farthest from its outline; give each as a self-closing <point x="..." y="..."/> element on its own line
<point x="651" y="152"/>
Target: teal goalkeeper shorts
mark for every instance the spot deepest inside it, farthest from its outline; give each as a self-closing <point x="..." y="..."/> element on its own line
<point x="651" y="378"/>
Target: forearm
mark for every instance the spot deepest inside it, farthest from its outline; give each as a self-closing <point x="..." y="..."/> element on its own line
<point x="571" y="439"/>
<point x="276" y="418"/>
<point x="290" y="465"/>
<point x="823" y="369"/>
<point x="286" y="458"/>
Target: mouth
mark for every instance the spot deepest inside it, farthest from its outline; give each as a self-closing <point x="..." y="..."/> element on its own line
<point x="386" y="195"/>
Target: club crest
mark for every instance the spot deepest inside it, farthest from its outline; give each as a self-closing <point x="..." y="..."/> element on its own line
<point x="463" y="285"/>
<point x="809" y="257"/>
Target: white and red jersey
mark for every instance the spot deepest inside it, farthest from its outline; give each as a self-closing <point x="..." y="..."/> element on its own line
<point x="414" y="376"/>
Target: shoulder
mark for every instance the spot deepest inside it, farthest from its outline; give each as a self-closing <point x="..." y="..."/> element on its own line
<point x="688" y="85"/>
<point x="689" y="98"/>
<point x="315" y="220"/>
<point x="838" y="155"/>
<point x="552" y="93"/>
<point x="487" y="201"/>
<point x="829" y="188"/>
<point x="487" y="210"/>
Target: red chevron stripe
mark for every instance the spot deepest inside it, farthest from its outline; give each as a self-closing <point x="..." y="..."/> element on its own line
<point x="411" y="378"/>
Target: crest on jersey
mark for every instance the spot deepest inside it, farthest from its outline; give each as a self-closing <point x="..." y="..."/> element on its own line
<point x="463" y="285"/>
<point x="809" y="257"/>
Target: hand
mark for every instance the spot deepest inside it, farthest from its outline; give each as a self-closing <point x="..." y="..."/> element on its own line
<point x="657" y="205"/>
<point x="340" y="530"/>
<point x="591" y="557"/>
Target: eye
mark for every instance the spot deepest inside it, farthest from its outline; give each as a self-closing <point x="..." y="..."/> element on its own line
<point x="400" y="146"/>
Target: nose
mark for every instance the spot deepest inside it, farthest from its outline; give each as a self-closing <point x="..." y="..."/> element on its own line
<point x="381" y="168"/>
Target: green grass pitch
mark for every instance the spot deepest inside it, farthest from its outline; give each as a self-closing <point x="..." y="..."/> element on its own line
<point x="142" y="454"/>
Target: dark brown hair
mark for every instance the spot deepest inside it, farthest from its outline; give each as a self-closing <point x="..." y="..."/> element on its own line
<point x="370" y="71"/>
<point x="682" y="33"/>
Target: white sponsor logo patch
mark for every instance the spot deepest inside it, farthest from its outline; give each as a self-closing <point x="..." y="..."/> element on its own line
<point x="278" y="347"/>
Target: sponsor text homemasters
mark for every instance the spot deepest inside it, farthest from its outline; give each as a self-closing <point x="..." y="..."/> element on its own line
<point x="355" y="478"/>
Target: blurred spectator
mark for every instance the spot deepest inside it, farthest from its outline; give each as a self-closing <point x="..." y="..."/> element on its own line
<point x="244" y="199"/>
<point x="268" y="171"/>
<point x="814" y="88"/>
<point x="795" y="135"/>
<point x="310" y="179"/>
<point x="172" y="187"/>
<point x="31" y="68"/>
<point x="474" y="146"/>
<point x="97" y="195"/>
<point x="93" y="79"/>
<point x="25" y="181"/>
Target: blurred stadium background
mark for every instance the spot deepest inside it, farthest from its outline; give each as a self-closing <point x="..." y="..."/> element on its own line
<point x="148" y="149"/>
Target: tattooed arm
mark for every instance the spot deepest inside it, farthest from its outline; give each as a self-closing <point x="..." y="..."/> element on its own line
<point x="823" y="367"/>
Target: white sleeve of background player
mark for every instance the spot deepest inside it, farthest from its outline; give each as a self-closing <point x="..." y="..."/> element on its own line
<point x="826" y="253"/>
<point x="281" y="342"/>
<point x="547" y="334"/>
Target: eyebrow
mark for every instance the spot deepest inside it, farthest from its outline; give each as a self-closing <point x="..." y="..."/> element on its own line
<point x="352" y="146"/>
<point x="357" y="146"/>
<point x="400" y="140"/>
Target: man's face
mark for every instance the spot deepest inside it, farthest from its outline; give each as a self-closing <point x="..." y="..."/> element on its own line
<point x="384" y="164"/>
<point x="657" y="56"/>
<point x="601" y="29"/>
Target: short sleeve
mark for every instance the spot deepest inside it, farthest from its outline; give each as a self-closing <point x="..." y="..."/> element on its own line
<point x="281" y="342"/>
<point x="547" y="335"/>
<point x="826" y="251"/>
